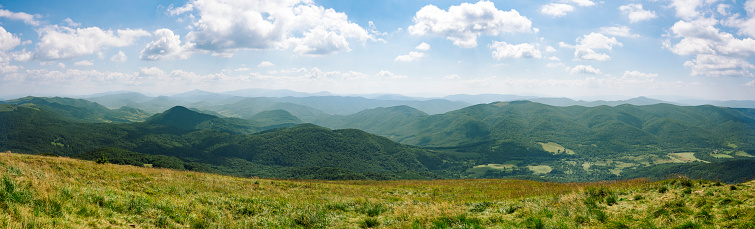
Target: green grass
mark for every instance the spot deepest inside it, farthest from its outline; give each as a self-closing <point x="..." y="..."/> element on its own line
<point x="555" y="148"/>
<point x="59" y="192"/>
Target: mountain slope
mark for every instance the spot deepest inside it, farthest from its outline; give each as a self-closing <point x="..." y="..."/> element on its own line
<point x="82" y="110"/>
<point x="179" y="132"/>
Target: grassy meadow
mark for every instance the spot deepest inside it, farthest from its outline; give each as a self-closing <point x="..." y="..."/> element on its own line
<point x="58" y="192"/>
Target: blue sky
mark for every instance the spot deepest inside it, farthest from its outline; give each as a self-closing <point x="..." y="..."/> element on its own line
<point x="565" y="48"/>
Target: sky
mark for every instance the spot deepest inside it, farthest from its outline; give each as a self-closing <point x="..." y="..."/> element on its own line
<point x="556" y="48"/>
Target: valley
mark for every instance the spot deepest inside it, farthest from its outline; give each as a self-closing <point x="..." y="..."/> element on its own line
<point x="277" y="138"/>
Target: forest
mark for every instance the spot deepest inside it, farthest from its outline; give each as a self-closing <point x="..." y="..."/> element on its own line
<point x="518" y="139"/>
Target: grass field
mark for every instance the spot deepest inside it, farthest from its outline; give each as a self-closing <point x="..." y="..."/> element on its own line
<point x="50" y="192"/>
<point x="555" y="148"/>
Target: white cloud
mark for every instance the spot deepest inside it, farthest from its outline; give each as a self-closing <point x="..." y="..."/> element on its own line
<point x="120" y="57"/>
<point x="21" y="16"/>
<point x="555" y="65"/>
<point x="451" y="77"/>
<point x="687" y="9"/>
<point x="639" y="75"/>
<point x="8" y="41"/>
<point x="746" y="25"/>
<point x="502" y="50"/>
<point x="584" y="69"/>
<point x="462" y="24"/>
<point x="412" y="56"/>
<point x="7" y="68"/>
<point x="264" y="64"/>
<point x="750" y="84"/>
<point x="59" y="42"/>
<point x="553" y="58"/>
<point x="587" y="44"/>
<point x="83" y="63"/>
<point x="716" y="53"/>
<point x="390" y="75"/>
<point x="550" y="49"/>
<point x="583" y="2"/>
<point x="71" y="23"/>
<point x="556" y="9"/>
<point x="723" y="9"/>
<point x="622" y="31"/>
<point x="423" y="47"/>
<point x="152" y="71"/>
<point x="635" y="13"/>
<point x="61" y="65"/>
<point x="223" y="27"/>
<point x="164" y="45"/>
<point x="719" y="65"/>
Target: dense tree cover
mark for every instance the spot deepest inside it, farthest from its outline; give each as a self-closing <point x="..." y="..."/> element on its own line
<point x="82" y="110"/>
<point x="592" y="131"/>
<point x="266" y="154"/>
<point x="735" y="171"/>
<point x="270" y="144"/>
<point x="125" y="157"/>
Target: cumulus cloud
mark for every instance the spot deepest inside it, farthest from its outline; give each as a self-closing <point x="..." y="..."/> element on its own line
<point x="582" y="2"/>
<point x="746" y="25"/>
<point x="164" y="45"/>
<point x="83" y="63"/>
<point x="587" y="44"/>
<point x="265" y="64"/>
<point x="716" y="53"/>
<point x="639" y="75"/>
<point x="687" y="9"/>
<point x="21" y="16"/>
<point x="462" y="24"/>
<point x="502" y="50"/>
<point x="59" y="42"/>
<point x="8" y="41"/>
<point x="412" y="56"/>
<point x="622" y="31"/>
<point x="556" y="9"/>
<point x="423" y="47"/>
<point x="7" y="68"/>
<point x="584" y="69"/>
<point x="120" y="57"/>
<point x="719" y="65"/>
<point x="390" y="75"/>
<point x="223" y="27"/>
<point x="635" y="13"/>
<point x="151" y="71"/>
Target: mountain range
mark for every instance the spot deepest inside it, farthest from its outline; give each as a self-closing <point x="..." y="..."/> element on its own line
<point x="270" y="137"/>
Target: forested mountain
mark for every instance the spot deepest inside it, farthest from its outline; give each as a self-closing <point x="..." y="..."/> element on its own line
<point x="344" y="105"/>
<point x="504" y="139"/>
<point x="613" y="129"/>
<point x="82" y="110"/>
<point x="115" y="100"/>
<point x="299" y="151"/>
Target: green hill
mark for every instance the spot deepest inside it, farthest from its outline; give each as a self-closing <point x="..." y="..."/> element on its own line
<point x="205" y="139"/>
<point x="275" y="118"/>
<point x="181" y="117"/>
<point x="82" y="110"/>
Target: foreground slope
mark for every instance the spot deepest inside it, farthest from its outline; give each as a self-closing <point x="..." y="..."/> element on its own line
<point x="50" y="192"/>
